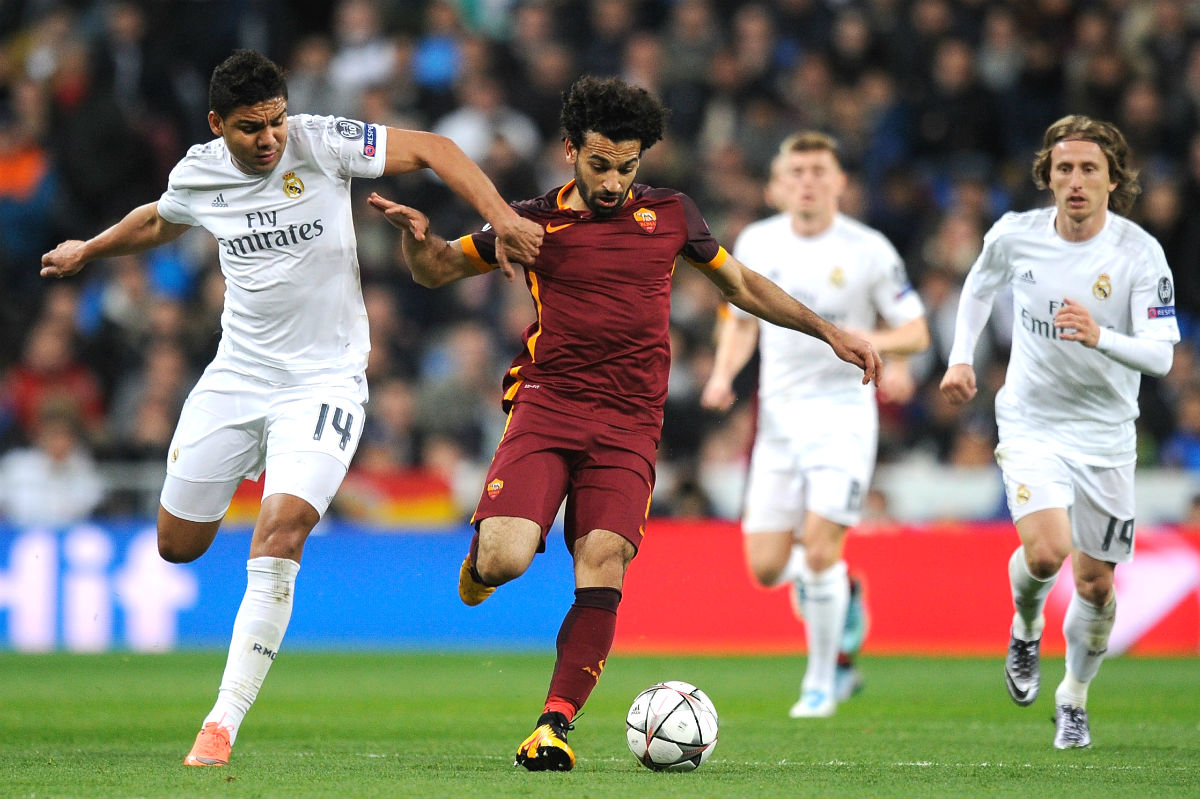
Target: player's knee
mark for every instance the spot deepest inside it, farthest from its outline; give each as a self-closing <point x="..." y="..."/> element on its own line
<point x="766" y="573"/>
<point x="281" y="541"/>
<point x="499" y="568"/>
<point x="172" y="549"/>
<point x="1095" y="590"/>
<point x="181" y="540"/>
<point x="1043" y="561"/>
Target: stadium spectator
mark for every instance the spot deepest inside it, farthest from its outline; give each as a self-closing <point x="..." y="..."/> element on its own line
<point x="1096" y="310"/>
<point x="54" y="481"/>
<point x="50" y="371"/>
<point x="286" y="390"/>
<point x="585" y="396"/>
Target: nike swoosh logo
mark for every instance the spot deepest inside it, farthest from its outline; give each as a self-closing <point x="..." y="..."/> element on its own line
<point x="555" y="228"/>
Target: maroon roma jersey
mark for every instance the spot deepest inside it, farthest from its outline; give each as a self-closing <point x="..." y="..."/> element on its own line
<point x="601" y="287"/>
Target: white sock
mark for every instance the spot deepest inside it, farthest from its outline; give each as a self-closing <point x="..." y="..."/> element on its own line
<point x="1086" y="629"/>
<point x="258" y="631"/>
<point x="1071" y="691"/>
<point x="795" y="568"/>
<point x="826" y="597"/>
<point x="1029" y="598"/>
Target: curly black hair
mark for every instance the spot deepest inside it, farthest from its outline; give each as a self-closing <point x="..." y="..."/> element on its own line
<point x="613" y="108"/>
<point x="245" y="78"/>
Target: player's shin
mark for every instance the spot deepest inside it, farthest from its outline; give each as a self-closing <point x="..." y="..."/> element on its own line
<point x="258" y="632"/>
<point x="1086" y="629"/>
<point x="584" y="641"/>
<point x="1029" y="598"/>
<point x="826" y="597"/>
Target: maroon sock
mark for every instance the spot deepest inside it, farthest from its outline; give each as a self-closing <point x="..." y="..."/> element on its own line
<point x="473" y="554"/>
<point x="584" y="640"/>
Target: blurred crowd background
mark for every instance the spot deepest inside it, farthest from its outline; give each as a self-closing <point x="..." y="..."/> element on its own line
<point x="938" y="105"/>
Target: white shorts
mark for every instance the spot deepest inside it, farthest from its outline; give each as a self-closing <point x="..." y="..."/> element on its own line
<point x="233" y="426"/>
<point x="810" y="457"/>
<point x="1099" y="500"/>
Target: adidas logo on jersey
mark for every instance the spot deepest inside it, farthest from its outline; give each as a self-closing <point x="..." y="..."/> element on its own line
<point x="1027" y="277"/>
<point x="219" y="202"/>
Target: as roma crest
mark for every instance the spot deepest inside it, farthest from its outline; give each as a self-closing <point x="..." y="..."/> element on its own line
<point x="494" y="488"/>
<point x="646" y="218"/>
<point x="293" y="186"/>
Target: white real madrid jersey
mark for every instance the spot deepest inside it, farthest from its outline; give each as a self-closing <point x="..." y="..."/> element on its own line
<point x="1062" y="391"/>
<point x="848" y="274"/>
<point x="293" y="300"/>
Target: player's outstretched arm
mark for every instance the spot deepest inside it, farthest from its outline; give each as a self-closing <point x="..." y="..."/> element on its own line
<point x="142" y="229"/>
<point x="517" y="238"/>
<point x="757" y="295"/>
<point x="432" y="260"/>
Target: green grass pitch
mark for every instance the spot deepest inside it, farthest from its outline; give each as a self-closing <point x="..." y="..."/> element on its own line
<point x="446" y="725"/>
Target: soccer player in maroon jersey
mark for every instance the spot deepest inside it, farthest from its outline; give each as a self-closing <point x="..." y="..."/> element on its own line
<point x="585" y="396"/>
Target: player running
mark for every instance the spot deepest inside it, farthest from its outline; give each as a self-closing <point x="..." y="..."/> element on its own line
<point x="1093" y="303"/>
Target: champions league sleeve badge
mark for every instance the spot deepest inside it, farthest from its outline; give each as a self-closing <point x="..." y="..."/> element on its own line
<point x="1166" y="293"/>
<point x="349" y="129"/>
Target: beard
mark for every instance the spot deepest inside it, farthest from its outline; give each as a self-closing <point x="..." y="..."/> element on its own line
<point x="593" y="199"/>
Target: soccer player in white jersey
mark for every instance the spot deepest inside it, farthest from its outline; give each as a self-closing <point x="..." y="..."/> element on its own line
<point x="285" y="392"/>
<point x="1093" y="303"/>
<point x="815" y="449"/>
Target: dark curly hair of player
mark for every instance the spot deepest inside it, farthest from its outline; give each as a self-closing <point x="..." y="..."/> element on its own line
<point x="245" y="78"/>
<point x="613" y="108"/>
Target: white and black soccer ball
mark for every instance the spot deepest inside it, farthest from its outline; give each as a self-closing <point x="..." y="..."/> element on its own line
<point x="671" y="726"/>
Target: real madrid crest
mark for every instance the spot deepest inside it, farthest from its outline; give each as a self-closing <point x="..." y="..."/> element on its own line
<point x="1022" y="494"/>
<point x="837" y="278"/>
<point x="293" y="186"/>
<point x="1102" y="288"/>
<point x="646" y="218"/>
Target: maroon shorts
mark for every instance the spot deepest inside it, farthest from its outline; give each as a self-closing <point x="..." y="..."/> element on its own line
<point x="606" y="474"/>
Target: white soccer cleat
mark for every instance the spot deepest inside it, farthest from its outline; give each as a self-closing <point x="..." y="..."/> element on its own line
<point x="1023" y="670"/>
<point x="814" y="704"/>
<point x="1071" y="728"/>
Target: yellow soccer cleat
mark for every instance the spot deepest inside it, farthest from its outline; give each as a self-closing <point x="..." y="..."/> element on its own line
<point x="471" y="591"/>
<point x="212" y="747"/>
<point x="546" y="749"/>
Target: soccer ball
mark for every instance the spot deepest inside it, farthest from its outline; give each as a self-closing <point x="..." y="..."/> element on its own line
<point x="671" y="726"/>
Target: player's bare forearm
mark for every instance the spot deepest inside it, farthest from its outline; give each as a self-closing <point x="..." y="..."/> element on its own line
<point x="140" y="230"/>
<point x="757" y="295"/>
<point x="764" y="299"/>
<point x="433" y="261"/>
<point x="519" y="239"/>
<point x="736" y="340"/>
<point x="907" y="339"/>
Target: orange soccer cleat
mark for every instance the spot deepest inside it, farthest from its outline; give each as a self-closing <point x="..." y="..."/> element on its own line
<point x="212" y="747"/>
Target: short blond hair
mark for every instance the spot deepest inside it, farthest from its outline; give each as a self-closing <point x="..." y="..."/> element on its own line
<point x="807" y="141"/>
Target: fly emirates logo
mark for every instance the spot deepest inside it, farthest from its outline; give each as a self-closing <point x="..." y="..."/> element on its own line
<point x="265" y="233"/>
<point x="1039" y="326"/>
